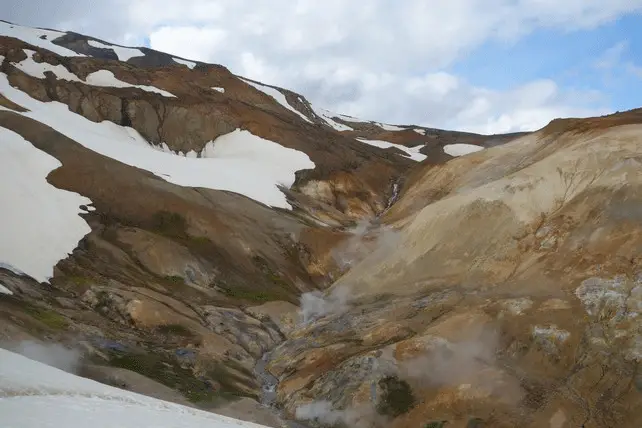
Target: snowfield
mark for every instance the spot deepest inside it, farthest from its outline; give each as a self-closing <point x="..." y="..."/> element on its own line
<point x="34" y="395"/>
<point x="238" y="162"/>
<point x="461" y="149"/>
<point x="103" y="78"/>
<point x="38" y="69"/>
<point x="36" y="37"/>
<point x="411" y="152"/>
<point x="5" y="290"/>
<point x="278" y="97"/>
<point x="327" y="117"/>
<point x="107" y="78"/>
<point x="387" y="127"/>
<point x="188" y="64"/>
<point x="40" y="225"/>
<point x="123" y="53"/>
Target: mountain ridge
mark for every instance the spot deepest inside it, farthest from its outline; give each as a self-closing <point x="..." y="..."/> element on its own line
<point x="383" y="275"/>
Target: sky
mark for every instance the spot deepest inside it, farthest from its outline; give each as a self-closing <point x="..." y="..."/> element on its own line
<point x="489" y="66"/>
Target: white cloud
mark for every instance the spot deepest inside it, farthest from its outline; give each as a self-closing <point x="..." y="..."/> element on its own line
<point x="374" y="59"/>
<point x="612" y="57"/>
<point x="635" y="70"/>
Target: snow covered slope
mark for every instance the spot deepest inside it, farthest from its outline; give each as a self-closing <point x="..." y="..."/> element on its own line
<point x="36" y="37"/>
<point x="412" y="152"/>
<point x="40" y="223"/>
<point x="238" y="162"/>
<point x="121" y="52"/>
<point x="461" y="149"/>
<point x="34" y="395"/>
<point x="277" y="96"/>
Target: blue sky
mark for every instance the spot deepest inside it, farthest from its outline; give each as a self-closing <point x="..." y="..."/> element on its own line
<point x="598" y="59"/>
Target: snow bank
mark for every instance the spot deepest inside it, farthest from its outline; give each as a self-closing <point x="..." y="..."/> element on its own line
<point x="238" y="162"/>
<point x="461" y="149"/>
<point x="123" y="53"/>
<point x="278" y="97"/>
<point x="38" y="69"/>
<point x="189" y="64"/>
<point x="412" y="152"/>
<point x="36" y="37"/>
<point x="34" y="395"/>
<point x="327" y="116"/>
<point x="40" y="223"/>
<point x="103" y="78"/>
<point x="5" y="290"/>
<point x="106" y="78"/>
<point x="387" y="127"/>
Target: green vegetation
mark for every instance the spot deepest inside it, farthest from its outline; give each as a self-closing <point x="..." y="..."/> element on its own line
<point x="170" y="224"/>
<point x="436" y="424"/>
<point x="169" y="373"/>
<point x="475" y="423"/>
<point x="48" y="317"/>
<point x="175" y="279"/>
<point x="79" y="280"/>
<point x="175" y="330"/>
<point x="260" y="296"/>
<point x="396" y="397"/>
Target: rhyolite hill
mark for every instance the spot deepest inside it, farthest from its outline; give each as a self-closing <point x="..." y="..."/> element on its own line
<point x="165" y="217"/>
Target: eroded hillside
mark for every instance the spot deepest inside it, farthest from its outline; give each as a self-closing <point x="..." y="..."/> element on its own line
<point x="212" y="221"/>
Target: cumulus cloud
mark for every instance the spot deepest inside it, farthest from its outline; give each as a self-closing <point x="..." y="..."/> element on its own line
<point x="349" y="56"/>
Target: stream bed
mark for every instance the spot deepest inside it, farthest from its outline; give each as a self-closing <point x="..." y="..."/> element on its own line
<point x="269" y="383"/>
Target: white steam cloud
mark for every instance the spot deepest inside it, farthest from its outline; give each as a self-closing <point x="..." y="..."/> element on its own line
<point x="367" y="239"/>
<point x="52" y="354"/>
<point x="364" y="416"/>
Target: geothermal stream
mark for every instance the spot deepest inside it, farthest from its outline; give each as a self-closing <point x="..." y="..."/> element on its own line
<point x="270" y="383"/>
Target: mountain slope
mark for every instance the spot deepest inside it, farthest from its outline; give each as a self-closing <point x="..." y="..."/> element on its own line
<point x="529" y="317"/>
<point x="222" y="242"/>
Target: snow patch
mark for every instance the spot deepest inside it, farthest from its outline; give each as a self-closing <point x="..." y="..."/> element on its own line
<point x="189" y="64"/>
<point x="106" y="78"/>
<point x="65" y="400"/>
<point x="218" y="88"/>
<point x="38" y="69"/>
<point x="278" y="97"/>
<point x="327" y="116"/>
<point x="34" y="36"/>
<point x="411" y="152"/>
<point x="460" y="149"/>
<point x="238" y="162"/>
<point x="103" y="78"/>
<point x="40" y="226"/>
<point x="420" y="131"/>
<point x="387" y="127"/>
<point x="123" y="53"/>
<point x="5" y="290"/>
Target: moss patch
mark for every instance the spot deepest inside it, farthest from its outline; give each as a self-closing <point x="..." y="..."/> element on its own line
<point x="175" y="330"/>
<point x="168" y="372"/>
<point x="175" y="279"/>
<point x="396" y="397"/>
<point x="47" y="317"/>
<point x="475" y="423"/>
<point x="436" y="424"/>
<point x="260" y="296"/>
<point x="170" y="224"/>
